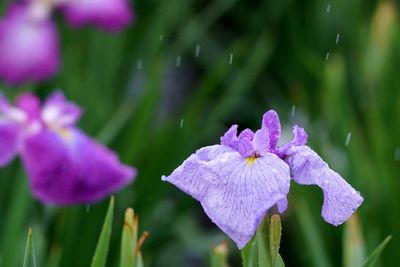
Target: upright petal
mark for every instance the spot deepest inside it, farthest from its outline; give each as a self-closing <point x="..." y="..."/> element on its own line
<point x="299" y="139"/>
<point x="271" y="122"/>
<point x="235" y="192"/>
<point x="28" y="48"/>
<point x="230" y="138"/>
<point x="58" y="112"/>
<point x="340" y="199"/>
<point x="70" y="168"/>
<point x="261" y="141"/>
<point x="110" y="15"/>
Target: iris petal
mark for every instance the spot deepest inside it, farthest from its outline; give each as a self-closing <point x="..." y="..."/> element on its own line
<point x="68" y="167"/>
<point x="110" y="15"/>
<point x="234" y="192"/>
<point x="340" y="199"/>
<point x="271" y="122"/>
<point x="9" y="133"/>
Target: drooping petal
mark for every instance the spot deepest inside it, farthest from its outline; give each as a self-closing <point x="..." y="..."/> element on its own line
<point x="340" y="199"/>
<point x="235" y="192"/>
<point x="110" y="15"/>
<point x="271" y="122"/>
<point x="230" y="138"/>
<point x="189" y="176"/>
<point x="67" y="167"/>
<point x="28" y="48"/>
<point x="9" y="140"/>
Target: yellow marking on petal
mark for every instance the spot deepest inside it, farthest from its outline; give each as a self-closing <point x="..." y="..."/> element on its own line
<point x="65" y="133"/>
<point x="250" y="161"/>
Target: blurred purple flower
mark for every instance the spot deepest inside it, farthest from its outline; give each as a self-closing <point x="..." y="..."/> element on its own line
<point x="238" y="181"/>
<point x="64" y="165"/>
<point x="28" y="46"/>
<point x="109" y="15"/>
<point x="29" y="49"/>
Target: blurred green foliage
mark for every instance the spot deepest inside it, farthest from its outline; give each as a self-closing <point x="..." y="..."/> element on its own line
<point x="176" y="79"/>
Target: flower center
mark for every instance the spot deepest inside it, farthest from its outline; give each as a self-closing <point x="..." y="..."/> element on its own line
<point x="251" y="159"/>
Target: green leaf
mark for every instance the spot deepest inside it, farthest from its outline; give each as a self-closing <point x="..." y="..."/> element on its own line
<point x="29" y="258"/>
<point x="219" y="255"/>
<point x="139" y="260"/>
<point x="256" y="252"/>
<point x="262" y="244"/>
<point x="129" y="240"/>
<point x="279" y="261"/>
<point x="275" y="233"/>
<point x="100" y="255"/>
<point x="373" y="257"/>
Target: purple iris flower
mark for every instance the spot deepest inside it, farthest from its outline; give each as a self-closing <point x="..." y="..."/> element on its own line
<point x="28" y="46"/>
<point x="29" y="49"/>
<point x="108" y="14"/>
<point x="238" y="181"/>
<point x="64" y="165"/>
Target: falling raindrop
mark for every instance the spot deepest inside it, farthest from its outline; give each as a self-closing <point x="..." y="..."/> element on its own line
<point x="197" y="52"/>
<point x="348" y="137"/>
<point x="337" y="38"/>
<point x="139" y="65"/>
<point x="327" y="56"/>
<point x="328" y="8"/>
<point x="181" y="125"/>
<point x="161" y="37"/>
<point x="178" y="61"/>
<point x="231" y="59"/>
<point x="293" y="110"/>
<point x="88" y="208"/>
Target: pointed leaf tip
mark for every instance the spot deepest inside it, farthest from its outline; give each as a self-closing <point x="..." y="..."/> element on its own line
<point x="100" y="255"/>
<point x="29" y="257"/>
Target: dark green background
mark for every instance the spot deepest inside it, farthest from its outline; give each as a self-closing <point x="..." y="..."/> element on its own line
<point x="135" y="99"/>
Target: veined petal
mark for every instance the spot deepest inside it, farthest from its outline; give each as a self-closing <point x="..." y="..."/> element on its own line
<point x="9" y="139"/>
<point x="261" y="141"/>
<point x="69" y="168"/>
<point x="110" y="15"/>
<point x="28" y="49"/>
<point x="246" y="134"/>
<point x="271" y="122"/>
<point x="235" y="192"/>
<point x="340" y="199"/>
<point x="193" y="176"/>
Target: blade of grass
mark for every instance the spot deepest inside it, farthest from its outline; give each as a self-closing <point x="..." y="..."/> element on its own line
<point x="372" y="259"/>
<point x="100" y="255"/>
<point x="29" y="257"/>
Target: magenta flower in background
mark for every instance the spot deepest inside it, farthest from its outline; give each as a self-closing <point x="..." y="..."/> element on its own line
<point x="63" y="164"/>
<point x="238" y="181"/>
<point x="29" y="49"/>
<point x="28" y="46"/>
<point x="109" y="15"/>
